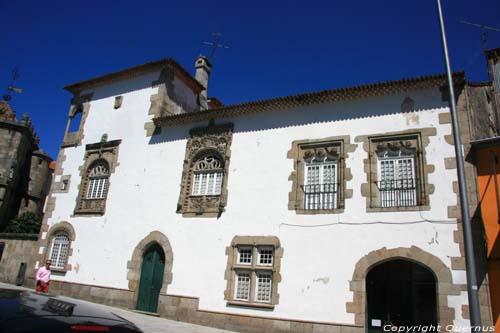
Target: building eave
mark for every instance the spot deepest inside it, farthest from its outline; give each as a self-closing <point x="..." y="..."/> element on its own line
<point x="313" y="98"/>
<point x="132" y="72"/>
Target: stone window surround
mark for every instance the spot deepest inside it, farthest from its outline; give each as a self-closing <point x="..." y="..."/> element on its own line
<point x="420" y="139"/>
<point x="134" y="265"/>
<point x="58" y="187"/>
<point x="107" y="151"/>
<point x="295" y="196"/>
<point x="62" y="226"/>
<point x="212" y="139"/>
<point x="78" y="104"/>
<point x="232" y="264"/>
<point x="444" y="281"/>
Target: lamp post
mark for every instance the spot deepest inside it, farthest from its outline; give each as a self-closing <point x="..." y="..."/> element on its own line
<point x="472" y="286"/>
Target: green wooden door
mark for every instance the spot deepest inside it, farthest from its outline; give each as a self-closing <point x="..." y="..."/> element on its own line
<point x="153" y="265"/>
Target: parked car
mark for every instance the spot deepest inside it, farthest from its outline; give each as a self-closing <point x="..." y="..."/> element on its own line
<point x="24" y="311"/>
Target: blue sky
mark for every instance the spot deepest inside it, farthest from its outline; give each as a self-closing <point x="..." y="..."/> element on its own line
<point x="276" y="47"/>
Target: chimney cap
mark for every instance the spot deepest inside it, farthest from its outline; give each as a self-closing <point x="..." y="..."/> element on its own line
<point x="203" y="61"/>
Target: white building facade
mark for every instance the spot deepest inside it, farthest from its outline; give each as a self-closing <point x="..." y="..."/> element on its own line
<point x="319" y="212"/>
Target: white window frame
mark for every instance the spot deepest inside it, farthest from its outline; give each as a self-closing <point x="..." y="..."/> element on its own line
<point x="320" y="201"/>
<point x="397" y="197"/>
<point x="237" y="282"/>
<point x="246" y="248"/>
<point x="61" y="246"/>
<point x="258" y="286"/>
<point x="203" y="177"/>
<point x="265" y="248"/>
<point x="97" y="187"/>
<point x="98" y="178"/>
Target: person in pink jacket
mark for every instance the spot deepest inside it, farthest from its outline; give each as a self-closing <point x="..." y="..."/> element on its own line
<point x="43" y="278"/>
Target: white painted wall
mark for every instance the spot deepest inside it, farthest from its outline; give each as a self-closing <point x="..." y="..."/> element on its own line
<point x="320" y="251"/>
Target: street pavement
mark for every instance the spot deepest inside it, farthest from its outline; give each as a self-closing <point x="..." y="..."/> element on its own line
<point x="149" y="324"/>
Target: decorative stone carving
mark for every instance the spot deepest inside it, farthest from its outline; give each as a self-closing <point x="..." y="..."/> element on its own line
<point x="207" y="147"/>
<point x="104" y="156"/>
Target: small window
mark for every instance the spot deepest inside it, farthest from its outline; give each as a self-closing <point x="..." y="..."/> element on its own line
<point x="64" y="185"/>
<point x="59" y="250"/>
<point x="266" y="256"/>
<point x="253" y="271"/>
<point x="75" y="121"/>
<point x="245" y="256"/>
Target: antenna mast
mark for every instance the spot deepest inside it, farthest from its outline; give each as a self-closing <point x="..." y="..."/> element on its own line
<point x="15" y="76"/>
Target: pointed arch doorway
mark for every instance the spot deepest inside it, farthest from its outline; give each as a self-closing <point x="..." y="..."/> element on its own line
<point x="402" y="293"/>
<point x="151" y="281"/>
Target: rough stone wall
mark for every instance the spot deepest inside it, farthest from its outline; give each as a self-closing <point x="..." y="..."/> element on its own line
<point x="18" y="248"/>
<point x="15" y="149"/>
<point x="481" y="114"/>
<point x="39" y="183"/>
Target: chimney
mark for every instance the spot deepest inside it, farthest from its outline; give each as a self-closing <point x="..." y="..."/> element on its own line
<point x="203" y="68"/>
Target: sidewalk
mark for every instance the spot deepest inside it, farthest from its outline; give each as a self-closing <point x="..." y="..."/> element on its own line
<point x="149" y="324"/>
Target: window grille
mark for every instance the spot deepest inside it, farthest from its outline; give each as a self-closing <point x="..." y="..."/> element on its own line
<point x="242" y="286"/>
<point x="264" y="290"/>
<point x="59" y="251"/>
<point x="98" y="182"/>
<point x="320" y="188"/>
<point x="398" y="182"/>
<point x="208" y="176"/>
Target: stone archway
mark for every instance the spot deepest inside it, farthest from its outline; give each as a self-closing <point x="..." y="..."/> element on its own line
<point x="135" y="263"/>
<point x="445" y="286"/>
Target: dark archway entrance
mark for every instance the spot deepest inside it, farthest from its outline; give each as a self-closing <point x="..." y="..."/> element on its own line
<point x="402" y="293"/>
<point x="153" y="266"/>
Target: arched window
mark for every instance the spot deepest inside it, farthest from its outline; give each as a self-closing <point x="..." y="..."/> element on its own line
<point x="59" y="250"/>
<point x="207" y="176"/>
<point x="97" y="180"/>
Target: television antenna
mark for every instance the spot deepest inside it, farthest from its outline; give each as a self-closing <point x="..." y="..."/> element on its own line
<point x="214" y="44"/>
<point x="484" y="29"/>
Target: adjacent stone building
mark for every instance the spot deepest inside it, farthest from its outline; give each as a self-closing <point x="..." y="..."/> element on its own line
<point x="25" y="172"/>
<point x="331" y="211"/>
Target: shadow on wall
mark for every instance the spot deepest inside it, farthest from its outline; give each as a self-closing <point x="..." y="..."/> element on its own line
<point x="370" y="107"/>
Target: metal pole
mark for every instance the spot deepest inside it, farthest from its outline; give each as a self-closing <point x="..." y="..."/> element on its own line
<point x="472" y="287"/>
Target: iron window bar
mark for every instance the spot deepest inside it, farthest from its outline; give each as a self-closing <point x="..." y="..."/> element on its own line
<point x="398" y="192"/>
<point x="320" y="196"/>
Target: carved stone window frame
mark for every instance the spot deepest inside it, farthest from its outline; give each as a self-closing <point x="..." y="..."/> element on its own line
<point x="416" y="139"/>
<point x="299" y="151"/>
<point x="102" y="151"/>
<point x="210" y="140"/>
<point x="253" y="242"/>
<point x="67" y="228"/>
<point x="79" y="104"/>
